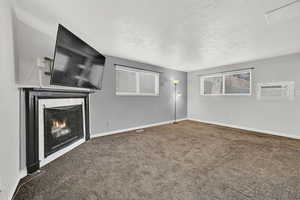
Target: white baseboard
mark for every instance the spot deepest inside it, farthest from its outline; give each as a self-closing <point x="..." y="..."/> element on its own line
<point x="13" y="189"/>
<point x="134" y="128"/>
<point x="248" y="129"/>
<point x="23" y="173"/>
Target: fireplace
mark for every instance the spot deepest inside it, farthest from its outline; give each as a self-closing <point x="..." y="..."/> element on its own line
<point x="62" y="126"/>
<point x="56" y="122"/>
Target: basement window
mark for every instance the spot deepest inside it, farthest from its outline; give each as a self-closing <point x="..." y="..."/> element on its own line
<point x="230" y="83"/>
<point x="212" y="85"/>
<point x="136" y="82"/>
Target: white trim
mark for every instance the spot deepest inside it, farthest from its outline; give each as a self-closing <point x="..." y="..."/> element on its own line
<point x="243" y="71"/>
<point x="23" y="173"/>
<point x="202" y="79"/>
<point x="61" y="152"/>
<point x="90" y="116"/>
<point x="223" y="84"/>
<point x="223" y="76"/>
<point x="134" y="94"/>
<point x="247" y="128"/>
<point x="10" y="191"/>
<point x="134" y="128"/>
<point x="20" y="85"/>
<point x="138" y="73"/>
<point x="234" y="73"/>
<point x="49" y="103"/>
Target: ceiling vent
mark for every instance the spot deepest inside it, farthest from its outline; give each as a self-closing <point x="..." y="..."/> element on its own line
<point x="286" y="12"/>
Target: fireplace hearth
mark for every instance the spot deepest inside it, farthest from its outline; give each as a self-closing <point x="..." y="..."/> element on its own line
<point x="56" y="122"/>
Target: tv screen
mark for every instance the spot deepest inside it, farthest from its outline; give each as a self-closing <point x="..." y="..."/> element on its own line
<point x="76" y="64"/>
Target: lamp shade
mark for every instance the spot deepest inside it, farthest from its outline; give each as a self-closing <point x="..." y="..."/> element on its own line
<point x="175" y="81"/>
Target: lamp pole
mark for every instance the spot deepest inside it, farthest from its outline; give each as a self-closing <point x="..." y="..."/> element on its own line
<point x="175" y="111"/>
<point x="175" y="82"/>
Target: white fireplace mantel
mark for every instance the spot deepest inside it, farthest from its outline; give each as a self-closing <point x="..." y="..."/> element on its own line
<point x="50" y="103"/>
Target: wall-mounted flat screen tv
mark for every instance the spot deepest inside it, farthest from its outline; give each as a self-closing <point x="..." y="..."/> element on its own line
<point x="76" y="64"/>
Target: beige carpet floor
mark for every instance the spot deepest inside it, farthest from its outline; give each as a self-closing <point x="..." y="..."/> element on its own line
<point x="186" y="161"/>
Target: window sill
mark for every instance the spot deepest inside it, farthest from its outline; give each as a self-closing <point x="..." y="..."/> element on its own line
<point x="136" y="95"/>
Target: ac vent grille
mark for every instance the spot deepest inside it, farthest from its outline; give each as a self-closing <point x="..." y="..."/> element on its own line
<point x="276" y="91"/>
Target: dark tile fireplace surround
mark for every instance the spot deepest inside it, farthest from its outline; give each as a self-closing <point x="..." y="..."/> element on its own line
<point x="58" y="123"/>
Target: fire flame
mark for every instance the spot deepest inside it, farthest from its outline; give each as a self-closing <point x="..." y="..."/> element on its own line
<point x="59" y="124"/>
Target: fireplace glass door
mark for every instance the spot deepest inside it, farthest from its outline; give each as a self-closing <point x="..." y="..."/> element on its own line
<point x="62" y="126"/>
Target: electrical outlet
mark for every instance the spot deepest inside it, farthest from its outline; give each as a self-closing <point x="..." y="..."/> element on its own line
<point x="107" y="124"/>
<point x="1" y="187"/>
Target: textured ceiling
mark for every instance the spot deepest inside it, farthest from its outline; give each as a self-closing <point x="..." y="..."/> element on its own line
<point x="179" y="34"/>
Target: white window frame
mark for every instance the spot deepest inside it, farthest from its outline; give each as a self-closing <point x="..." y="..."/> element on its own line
<point x="202" y="79"/>
<point x="137" y="72"/>
<point x="234" y="73"/>
<point x="223" y="75"/>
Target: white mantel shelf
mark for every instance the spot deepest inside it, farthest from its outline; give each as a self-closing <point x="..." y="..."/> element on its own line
<point x="21" y="86"/>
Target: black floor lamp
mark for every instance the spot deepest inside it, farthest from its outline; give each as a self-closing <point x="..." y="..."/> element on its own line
<point x="175" y="82"/>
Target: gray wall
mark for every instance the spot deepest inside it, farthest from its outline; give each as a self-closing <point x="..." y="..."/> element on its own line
<point x="31" y="43"/>
<point x="281" y="117"/>
<point x="110" y="112"/>
<point x="9" y="107"/>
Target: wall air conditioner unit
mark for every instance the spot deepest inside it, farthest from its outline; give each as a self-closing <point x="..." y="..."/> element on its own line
<point x="276" y="91"/>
